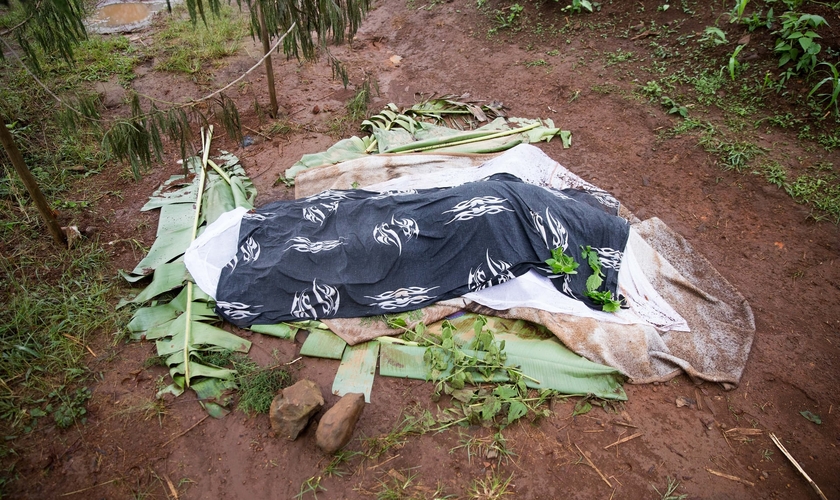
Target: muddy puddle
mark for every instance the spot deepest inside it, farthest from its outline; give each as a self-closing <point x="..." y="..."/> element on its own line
<point x="123" y="17"/>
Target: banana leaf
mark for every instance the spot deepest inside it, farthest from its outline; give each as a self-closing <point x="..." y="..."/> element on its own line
<point x="393" y="131"/>
<point x="182" y="327"/>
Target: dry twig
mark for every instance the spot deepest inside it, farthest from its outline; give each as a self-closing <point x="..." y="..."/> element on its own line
<point x="593" y="465"/>
<point x="798" y="467"/>
<point x="623" y="440"/>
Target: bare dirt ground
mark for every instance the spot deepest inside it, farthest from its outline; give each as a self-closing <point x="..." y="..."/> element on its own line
<point x="784" y="263"/>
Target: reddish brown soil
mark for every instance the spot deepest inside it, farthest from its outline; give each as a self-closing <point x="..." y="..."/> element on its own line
<point x="758" y="238"/>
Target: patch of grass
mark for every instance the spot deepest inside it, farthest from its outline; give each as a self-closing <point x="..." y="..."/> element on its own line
<point x="357" y="106"/>
<point x="396" y="485"/>
<point x="670" y="489"/>
<point x="184" y="47"/>
<point x="491" y="488"/>
<point x="493" y="447"/>
<point x="98" y="59"/>
<point x="534" y="64"/>
<point x="410" y="425"/>
<point x="147" y="410"/>
<point x="619" y="56"/>
<point x="734" y="155"/>
<point x="311" y="485"/>
<point x="55" y="303"/>
<point x="774" y="173"/>
<point x="820" y="190"/>
<point x="335" y="467"/>
<point x="257" y="385"/>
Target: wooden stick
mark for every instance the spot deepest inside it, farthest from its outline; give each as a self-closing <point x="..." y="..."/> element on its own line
<point x="731" y="478"/>
<point x="77" y="341"/>
<point x="798" y="467"/>
<point x="623" y="440"/>
<point x="593" y="465"/>
<point x="172" y="488"/>
<point x="90" y="487"/>
<point x="186" y="431"/>
<point x="625" y="424"/>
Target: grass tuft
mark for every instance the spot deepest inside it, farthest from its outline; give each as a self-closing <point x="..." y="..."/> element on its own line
<point x="258" y="385"/>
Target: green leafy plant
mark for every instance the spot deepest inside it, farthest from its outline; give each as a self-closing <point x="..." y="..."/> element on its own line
<point x="578" y="6"/>
<point x="72" y="408"/>
<point x="673" y="107"/>
<point x="797" y="41"/>
<point x="733" y="61"/>
<point x="713" y="36"/>
<point x="561" y="263"/>
<point x="832" y="81"/>
<point x="593" y="283"/>
<point x="756" y="20"/>
<point x="737" y="12"/>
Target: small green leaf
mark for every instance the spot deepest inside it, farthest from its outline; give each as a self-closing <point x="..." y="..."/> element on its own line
<point x="811" y="416"/>
<point x="582" y="407"/>
<point x="517" y="410"/>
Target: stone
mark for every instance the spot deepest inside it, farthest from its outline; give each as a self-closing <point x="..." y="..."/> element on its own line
<point x="111" y="93"/>
<point x="337" y="425"/>
<point x="291" y="409"/>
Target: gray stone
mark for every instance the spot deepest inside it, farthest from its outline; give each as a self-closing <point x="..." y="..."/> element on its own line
<point x="111" y="93"/>
<point x="293" y="407"/>
<point x="337" y="425"/>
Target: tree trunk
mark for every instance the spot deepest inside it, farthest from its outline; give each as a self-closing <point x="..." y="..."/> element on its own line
<point x="269" y="71"/>
<point x="31" y="184"/>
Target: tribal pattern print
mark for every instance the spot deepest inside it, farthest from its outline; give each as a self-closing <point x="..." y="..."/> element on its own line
<point x="306" y="303"/>
<point x="604" y="198"/>
<point x="402" y="297"/>
<point x="237" y="310"/>
<point x="551" y="226"/>
<point x="497" y="272"/>
<point x="305" y="245"/>
<point x="329" y="194"/>
<point x="257" y="216"/>
<point x="476" y="207"/>
<point x="609" y="258"/>
<point x="389" y="233"/>
<point x="250" y="251"/>
<point x="314" y="213"/>
<point x="389" y="194"/>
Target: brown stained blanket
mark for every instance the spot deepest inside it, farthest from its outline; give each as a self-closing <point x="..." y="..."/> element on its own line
<point x="720" y="319"/>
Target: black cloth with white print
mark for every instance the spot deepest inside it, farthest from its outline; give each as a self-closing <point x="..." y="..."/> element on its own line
<point x="342" y="254"/>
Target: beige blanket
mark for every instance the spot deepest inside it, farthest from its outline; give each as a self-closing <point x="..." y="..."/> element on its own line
<point x="720" y="319"/>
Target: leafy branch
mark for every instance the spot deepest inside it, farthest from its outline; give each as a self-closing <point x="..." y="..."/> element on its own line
<point x="594" y="282"/>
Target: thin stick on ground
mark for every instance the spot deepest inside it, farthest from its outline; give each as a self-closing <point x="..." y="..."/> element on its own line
<point x="90" y="487"/>
<point x="731" y="478"/>
<point x="593" y="465"/>
<point x="186" y="431"/>
<point x="798" y="467"/>
<point x="623" y="440"/>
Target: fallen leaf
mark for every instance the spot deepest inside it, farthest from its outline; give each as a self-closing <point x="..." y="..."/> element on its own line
<point x="396" y="60"/>
<point x="811" y="416"/>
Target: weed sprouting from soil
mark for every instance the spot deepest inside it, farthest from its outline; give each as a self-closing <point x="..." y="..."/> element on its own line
<point x="670" y="489"/>
<point x="258" y="385"/>
<point x="491" y="488"/>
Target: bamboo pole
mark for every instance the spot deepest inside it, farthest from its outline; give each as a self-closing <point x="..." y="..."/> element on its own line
<point x="269" y="70"/>
<point x="31" y="184"/>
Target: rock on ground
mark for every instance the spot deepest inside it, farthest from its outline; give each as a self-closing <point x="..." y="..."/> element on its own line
<point x="337" y="425"/>
<point x="293" y="407"/>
